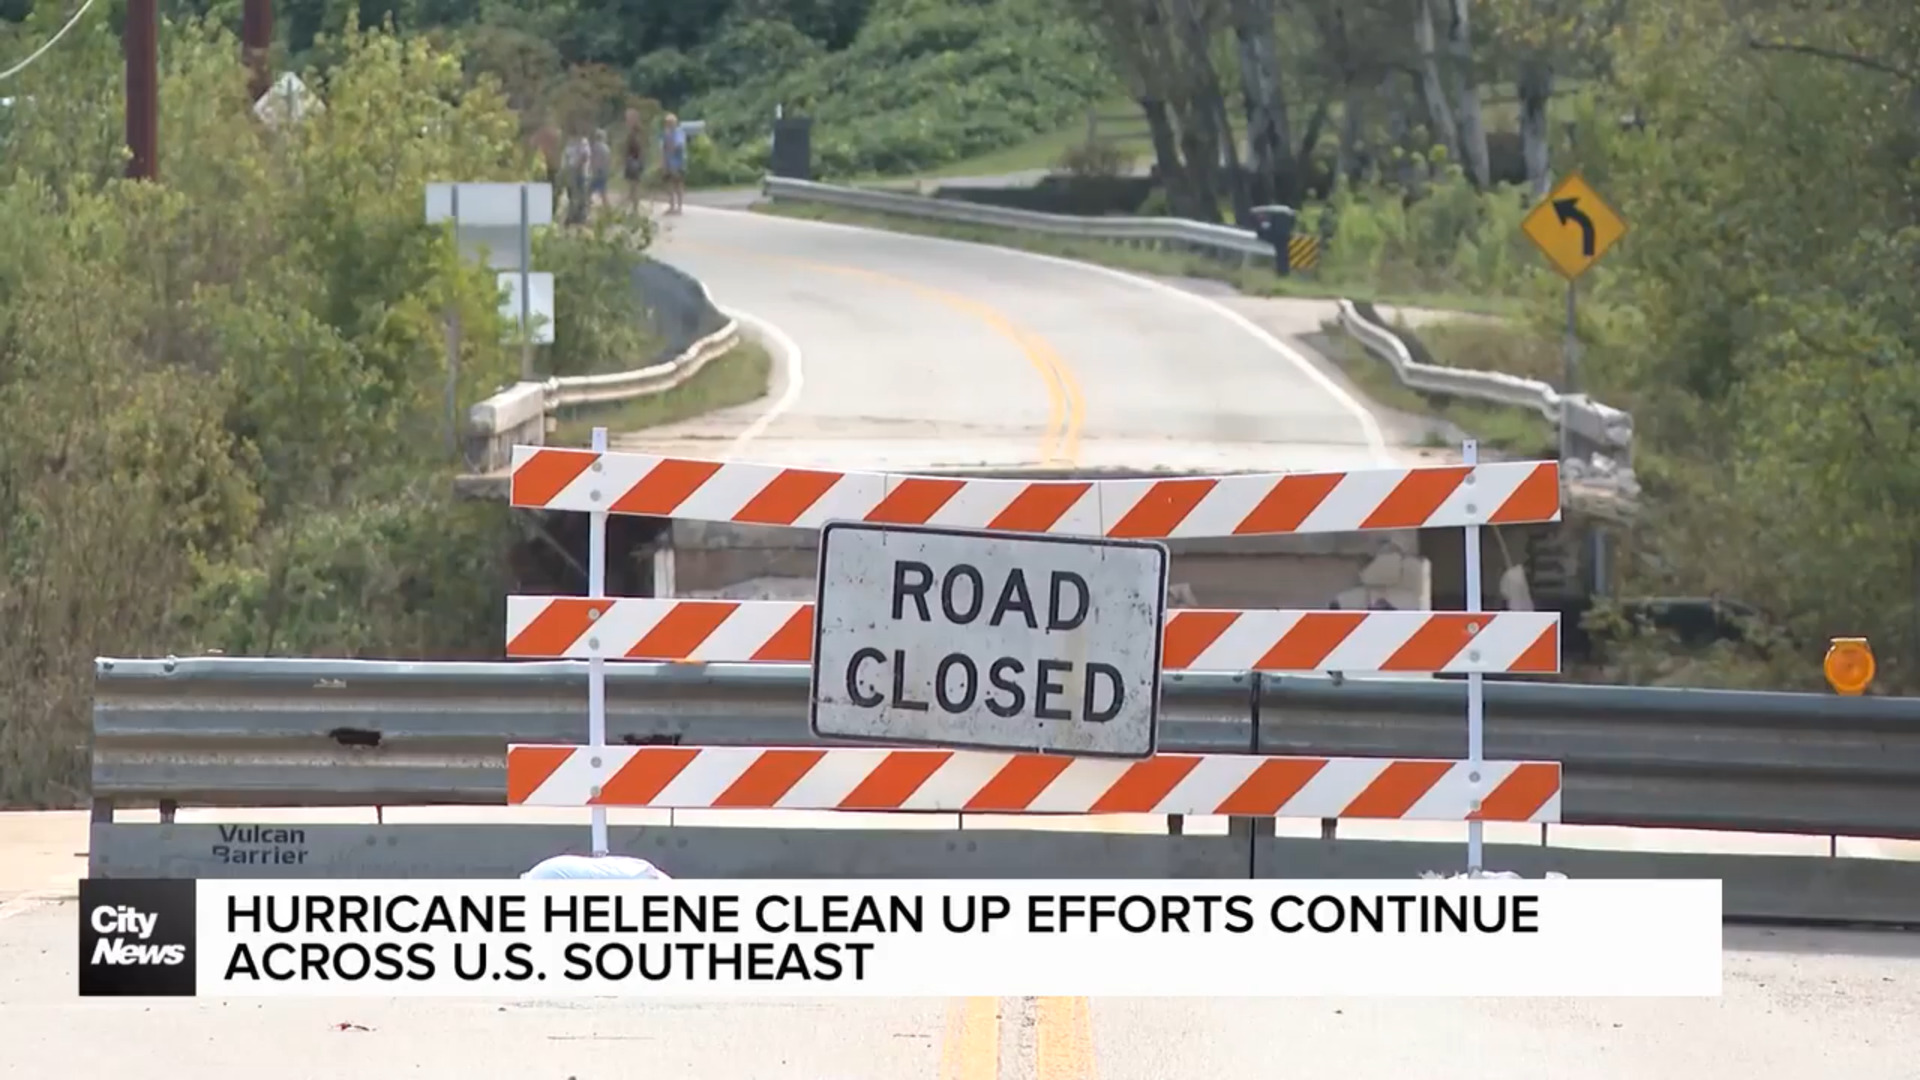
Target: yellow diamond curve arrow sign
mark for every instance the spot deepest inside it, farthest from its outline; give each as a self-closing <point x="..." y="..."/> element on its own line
<point x="1573" y="226"/>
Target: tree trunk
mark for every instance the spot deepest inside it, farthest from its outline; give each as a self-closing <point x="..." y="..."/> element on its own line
<point x="1269" y="142"/>
<point x="1397" y="164"/>
<point x="1146" y="53"/>
<point x="1338" y="44"/>
<point x="1536" y="88"/>
<point x="1473" y="132"/>
<point x="1310" y="139"/>
<point x="1238" y="184"/>
<point x="1439" y="110"/>
<point x="1182" y="198"/>
<point x="1237" y="180"/>
<point x="1353" y="110"/>
<point x="1209" y="108"/>
<point x="1201" y="156"/>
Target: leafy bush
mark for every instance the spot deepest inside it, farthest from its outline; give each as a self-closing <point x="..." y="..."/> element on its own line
<point x="1447" y="238"/>
<point x="225" y="391"/>
<point x="921" y="85"/>
<point x="1095" y="159"/>
<point x="601" y="323"/>
<point x="1759" y="322"/>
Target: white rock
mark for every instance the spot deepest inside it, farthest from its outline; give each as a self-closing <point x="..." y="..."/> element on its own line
<point x="603" y="867"/>
<point x="1487" y="875"/>
<point x="1385" y="571"/>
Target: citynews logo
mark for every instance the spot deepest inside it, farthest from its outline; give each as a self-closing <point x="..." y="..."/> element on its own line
<point x="136" y="938"/>
<point x="137" y="924"/>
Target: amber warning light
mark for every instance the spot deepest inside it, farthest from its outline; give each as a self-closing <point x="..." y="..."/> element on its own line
<point x="1849" y="665"/>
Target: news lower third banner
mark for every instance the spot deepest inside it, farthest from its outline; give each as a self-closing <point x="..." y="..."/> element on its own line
<point x="763" y="939"/>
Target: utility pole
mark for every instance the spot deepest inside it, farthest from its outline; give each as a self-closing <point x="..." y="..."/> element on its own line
<point x="256" y="35"/>
<point x="142" y="41"/>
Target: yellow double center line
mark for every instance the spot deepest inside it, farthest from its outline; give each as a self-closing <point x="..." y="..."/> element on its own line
<point x="1063" y="1048"/>
<point x="1066" y="408"/>
<point x="970" y="1047"/>
<point x="1063" y="1040"/>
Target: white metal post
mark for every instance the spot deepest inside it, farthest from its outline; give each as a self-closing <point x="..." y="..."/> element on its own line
<point x="526" y="290"/>
<point x="1476" y="714"/>
<point x="1569" y="368"/>
<point x="596" y="666"/>
<point x="453" y="342"/>
<point x="663" y="585"/>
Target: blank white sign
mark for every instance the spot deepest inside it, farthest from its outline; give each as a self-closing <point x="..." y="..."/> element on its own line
<point x="540" y="302"/>
<point x="490" y="204"/>
<point x="497" y="246"/>
<point x="967" y="638"/>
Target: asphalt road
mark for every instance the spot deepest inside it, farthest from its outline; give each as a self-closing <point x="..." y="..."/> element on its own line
<point x="903" y="351"/>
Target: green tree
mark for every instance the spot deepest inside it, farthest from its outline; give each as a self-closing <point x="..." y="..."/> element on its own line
<point x="1774" y="344"/>
<point x="225" y="390"/>
<point x="1536" y="41"/>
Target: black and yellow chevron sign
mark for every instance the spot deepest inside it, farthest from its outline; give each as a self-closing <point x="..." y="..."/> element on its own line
<point x="1303" y="252"/>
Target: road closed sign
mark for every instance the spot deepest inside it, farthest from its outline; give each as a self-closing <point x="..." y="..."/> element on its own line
<point x="978" y="639"/>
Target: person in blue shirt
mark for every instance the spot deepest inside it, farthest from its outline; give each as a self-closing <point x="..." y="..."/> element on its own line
<point x="673" y="160"/>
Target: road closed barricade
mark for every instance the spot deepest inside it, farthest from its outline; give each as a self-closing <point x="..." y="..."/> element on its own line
<point x="1005" y="641"/>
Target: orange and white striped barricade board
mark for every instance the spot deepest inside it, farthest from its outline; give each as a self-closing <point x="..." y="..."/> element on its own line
<point x="1466" y="496"/>
<point x="1262" y="504"/>
<point x="1195" y="639"/>
<point x="995" y="782"/>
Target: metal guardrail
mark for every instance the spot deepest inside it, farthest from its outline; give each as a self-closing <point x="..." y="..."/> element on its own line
<point x="1600" y="425"/>
<point x="519" y="414"/>
<point x="1223" y="242"/>
<point x="245" y="732"/>
<point x="1600" y="437"/>
<point x="233" y="731"/>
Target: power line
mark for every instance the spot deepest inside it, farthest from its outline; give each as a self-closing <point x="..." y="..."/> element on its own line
<point x="50" y="43"/>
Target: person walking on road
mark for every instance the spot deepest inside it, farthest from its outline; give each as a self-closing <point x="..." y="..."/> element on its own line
<point x="673" y="155"/>
<point x="634" y="163"/>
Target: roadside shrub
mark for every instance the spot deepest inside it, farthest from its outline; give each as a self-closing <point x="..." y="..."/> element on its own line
<point x="921" y="85"/>
<point x="1095" y="159"/>
<point x="226" y="391"/>
<point x="1448" y="237"/>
